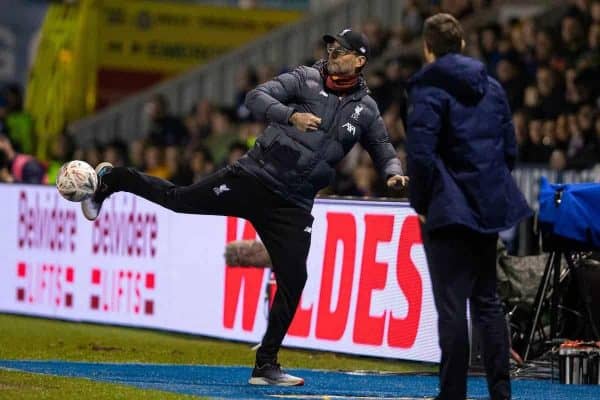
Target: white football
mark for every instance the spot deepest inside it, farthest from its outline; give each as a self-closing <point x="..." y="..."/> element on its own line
<point x="76" y="180"/>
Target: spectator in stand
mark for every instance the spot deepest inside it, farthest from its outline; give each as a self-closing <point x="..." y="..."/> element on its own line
<point x="236" y="151"/>
<point x="198" y="122"/>
<point x="317" y="54"/>
<point x="520" y="122"/>
<point x="412" y="19"/>
<point x="116" y="153"/>
<point x="551" y="95"/>
<point x="61" y="151"/>
<point x="517" y="39"/>
<point x="164" y="129"/>
<point x="392" y="118"/>
<point x="91" y="155"/>
<point x="544" y="52"/>
<point x="586" y="154"/>
<point x="595" y="12"/>
<point x="510" y="77"/>
<point x="572" y="95"/>
<point x="489" y="48"/>
<point x="535" y="150"/>
<point x="250" y="131"/>
<point x="573" y="39"/>
<point x="18" y="121"/>
<point x="581" y="9"/>
<point x="365" y="176"/>
<point x="392" y="88"/>
<point x="364" y="181"/>
<point x="246" y="80"/>
<point x="173" y="155"/>
<point x="591" y="57"/>
<point x="460" y="8"/>
<point x="136" y="153"/>
<point x="529" y="27"/>
<point x="5" y="175"/>
<point x="198" y="164"/>
<point x="22" y="167"/>
<point x="201" y="164"/>
<point x="561" y="133"/>
<point x="154" y="163"/>
<point x="223" y="134"/>
<point x="375" y="35"/>
<point x="558" y="160"/>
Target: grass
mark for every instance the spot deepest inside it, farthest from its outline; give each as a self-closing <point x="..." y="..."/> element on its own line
<point x="19" y="385"/>
<point x="60" y="340"/>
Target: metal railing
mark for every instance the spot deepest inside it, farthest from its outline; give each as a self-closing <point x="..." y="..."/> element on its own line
<point x="215" y="81"/>
<point x="528" y="179"/>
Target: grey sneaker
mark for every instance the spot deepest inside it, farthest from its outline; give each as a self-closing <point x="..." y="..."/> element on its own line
<point x="91" y="206"/>
<point x="272" y="374"/>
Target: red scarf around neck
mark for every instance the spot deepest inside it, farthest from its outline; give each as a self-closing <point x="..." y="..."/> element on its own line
<point x="341" y="84"/>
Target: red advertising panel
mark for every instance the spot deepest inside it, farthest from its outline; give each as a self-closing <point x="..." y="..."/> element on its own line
<point x="368" y="290"/>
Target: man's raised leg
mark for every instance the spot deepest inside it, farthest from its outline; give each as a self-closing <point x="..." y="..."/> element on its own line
<point x="226" y="192"/>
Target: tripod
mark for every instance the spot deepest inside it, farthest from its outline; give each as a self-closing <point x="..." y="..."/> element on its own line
<point x="551" y="279"/>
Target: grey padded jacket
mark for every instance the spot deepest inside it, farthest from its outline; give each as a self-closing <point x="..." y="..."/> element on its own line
<point x="298" y="164"/>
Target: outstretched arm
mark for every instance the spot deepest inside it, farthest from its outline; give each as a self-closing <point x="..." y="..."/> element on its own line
<point x="377" y="143"/>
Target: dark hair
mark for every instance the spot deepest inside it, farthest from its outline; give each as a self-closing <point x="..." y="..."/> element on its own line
<point x="201" y="149"/>
<point x="443" y="34"/>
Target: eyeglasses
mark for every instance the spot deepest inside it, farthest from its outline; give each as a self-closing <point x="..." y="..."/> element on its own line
<point x="337" y="50"/>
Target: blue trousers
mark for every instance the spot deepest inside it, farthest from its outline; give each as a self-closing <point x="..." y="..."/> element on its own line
<point x="462" y="266"/>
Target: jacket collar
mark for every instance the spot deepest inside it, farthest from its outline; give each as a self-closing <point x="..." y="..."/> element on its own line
<point x="463" y="77"/>
<point x="358" y="93"/>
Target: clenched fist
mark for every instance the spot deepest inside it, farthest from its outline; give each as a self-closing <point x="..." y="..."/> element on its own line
<point x="397" y="181"/>
<point x="305" y="121"/>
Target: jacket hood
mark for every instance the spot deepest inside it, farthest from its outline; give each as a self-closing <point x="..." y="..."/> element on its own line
<point x="321" y="66"/>
<point x="463" y="77"/>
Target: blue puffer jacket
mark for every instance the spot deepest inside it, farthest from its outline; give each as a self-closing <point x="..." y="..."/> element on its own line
<point x="461" y="148"/>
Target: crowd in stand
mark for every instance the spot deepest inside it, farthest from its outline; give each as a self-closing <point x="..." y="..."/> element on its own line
<point x="549" y="73"/>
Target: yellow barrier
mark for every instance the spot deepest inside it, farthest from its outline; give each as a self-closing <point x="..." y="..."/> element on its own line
<point x="172" y="37"/>
<point x="62" y="82"/>
<point x="125" y="38"/>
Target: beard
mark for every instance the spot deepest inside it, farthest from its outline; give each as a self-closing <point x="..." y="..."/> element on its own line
<point x="337" y="69"/>
<point x="332" y="69"/>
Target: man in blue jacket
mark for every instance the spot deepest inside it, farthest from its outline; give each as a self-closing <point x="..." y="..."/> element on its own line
<point x="461" y="148"/>
<point x="316" y="115"/>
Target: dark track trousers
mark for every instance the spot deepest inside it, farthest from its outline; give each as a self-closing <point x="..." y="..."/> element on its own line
<point x="279" y="223"/>
<point x="462" y="266"/>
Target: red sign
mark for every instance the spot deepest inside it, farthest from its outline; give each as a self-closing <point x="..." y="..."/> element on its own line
<point x="45" y="224"/>
<point x="128" y="232"/>
<point x="332" y="323"/>
<point x="45" y="284"/>
<point x="123" y="291"/>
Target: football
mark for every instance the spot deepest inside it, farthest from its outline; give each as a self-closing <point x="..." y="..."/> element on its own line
<point x="76" y="181"/>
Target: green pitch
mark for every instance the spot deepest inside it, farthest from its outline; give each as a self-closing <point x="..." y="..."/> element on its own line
<point x="58" y="340"/>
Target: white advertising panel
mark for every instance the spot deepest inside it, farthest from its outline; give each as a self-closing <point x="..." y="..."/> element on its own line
<point x="368" y="289"/>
